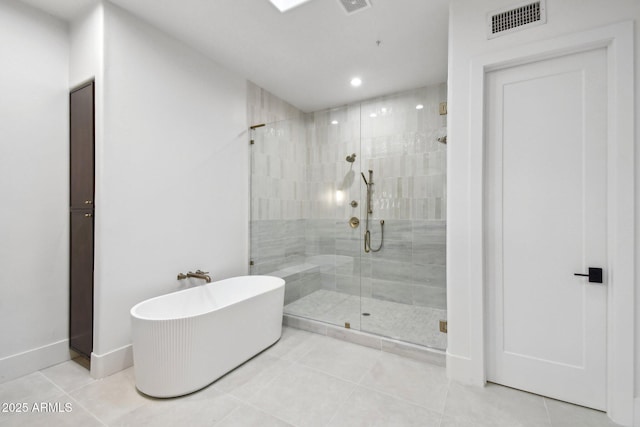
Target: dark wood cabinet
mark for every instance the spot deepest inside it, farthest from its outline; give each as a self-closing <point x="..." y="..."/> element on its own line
<point x="82" y="183"/>
<point x="81" y="283"/>
<point x="81" y="131"/>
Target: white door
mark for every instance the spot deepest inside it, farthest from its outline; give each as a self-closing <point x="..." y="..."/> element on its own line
<point x="545" y="219"/>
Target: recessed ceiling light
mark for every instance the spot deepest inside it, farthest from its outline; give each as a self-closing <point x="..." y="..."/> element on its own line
<point x="419" y="107"/>
<point x="334" y="122"/>
<point x="384" y="110"/>
<point x="356" y="81"/>
<point x="373" y="115"/>
<point x="284" y="5"/>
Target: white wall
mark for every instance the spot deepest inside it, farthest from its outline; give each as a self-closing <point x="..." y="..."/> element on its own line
<point x="468" y="40"/>
<point x="34" y="189"/>
<point x="172" y="174"/>
<point x="86" y="49"/>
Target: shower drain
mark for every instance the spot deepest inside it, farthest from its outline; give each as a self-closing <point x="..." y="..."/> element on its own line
<point x="366" y="314"/>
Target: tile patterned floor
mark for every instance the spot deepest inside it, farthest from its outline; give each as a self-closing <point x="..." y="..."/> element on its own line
<point x="410" y="323"/>
<point x="303" y="380"/>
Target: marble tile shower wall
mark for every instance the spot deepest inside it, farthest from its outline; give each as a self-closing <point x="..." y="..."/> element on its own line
<point x="400" y="144"/>
<point x="302" y="188"/>
<point x="278" y="164"/>
<point x="264" y="107"/>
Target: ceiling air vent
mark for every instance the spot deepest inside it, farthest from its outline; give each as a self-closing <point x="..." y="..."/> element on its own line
<point x="353" y="6"/>
<point x="505" y="21"/>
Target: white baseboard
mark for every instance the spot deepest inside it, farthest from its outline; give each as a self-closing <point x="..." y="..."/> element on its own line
<point x="18" y="365"/>
<point x="460" y="369"/>
<point x="103" y="365"/>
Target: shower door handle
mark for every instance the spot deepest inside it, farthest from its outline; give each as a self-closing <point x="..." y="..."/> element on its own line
<point x="595" y="275"/>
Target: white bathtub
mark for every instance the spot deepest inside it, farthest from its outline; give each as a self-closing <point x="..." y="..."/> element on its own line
<point x="184" y="341"/>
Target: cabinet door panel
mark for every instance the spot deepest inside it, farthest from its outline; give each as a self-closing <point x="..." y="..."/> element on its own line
<point x="81" y="280"/>
<point x="82" y="146"/>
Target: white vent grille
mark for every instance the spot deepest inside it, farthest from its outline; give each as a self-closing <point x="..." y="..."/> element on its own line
<point x="353" y="6"/>
<point x="505" y="21"/>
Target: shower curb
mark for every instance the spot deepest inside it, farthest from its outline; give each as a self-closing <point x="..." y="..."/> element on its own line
<point x="389" y="345"/>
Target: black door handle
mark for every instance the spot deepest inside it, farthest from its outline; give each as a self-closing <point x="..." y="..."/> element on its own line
<point x="595" y="275"/>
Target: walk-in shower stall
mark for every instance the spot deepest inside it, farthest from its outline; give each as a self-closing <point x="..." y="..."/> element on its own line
<point x="348" y="205"/>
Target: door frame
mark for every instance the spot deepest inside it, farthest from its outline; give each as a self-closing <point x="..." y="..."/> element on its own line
<point x="618" y="41"/>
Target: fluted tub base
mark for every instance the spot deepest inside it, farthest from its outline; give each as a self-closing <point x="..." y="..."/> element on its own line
<point x="186" y="340"/>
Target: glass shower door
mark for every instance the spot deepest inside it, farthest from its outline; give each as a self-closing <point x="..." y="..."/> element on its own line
<point x="337" y="159"/>
<point x="404" y="283"/>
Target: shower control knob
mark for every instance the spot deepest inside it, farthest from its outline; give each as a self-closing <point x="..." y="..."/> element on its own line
<point x="354" y="204"/>
<point x="354" y="222"/>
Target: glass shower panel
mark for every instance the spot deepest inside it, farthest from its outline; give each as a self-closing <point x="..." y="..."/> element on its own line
<point x="404" y="284"/>
<point x="303" y="182"/>
<point x="277" y="233"/>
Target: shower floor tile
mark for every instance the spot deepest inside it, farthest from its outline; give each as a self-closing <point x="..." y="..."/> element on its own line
<point x="414" y="324"/>
<point x="323" y="302"/>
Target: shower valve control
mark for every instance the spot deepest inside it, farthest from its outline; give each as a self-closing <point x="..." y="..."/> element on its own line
<point x="354" y="204"/>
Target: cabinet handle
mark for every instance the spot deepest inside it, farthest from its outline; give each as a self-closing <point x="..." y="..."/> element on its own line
<point x="88" y="202"/>
<point x="88" y="215"/>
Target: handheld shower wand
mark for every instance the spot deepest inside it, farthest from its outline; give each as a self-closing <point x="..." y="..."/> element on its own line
<point x="367" y="233"/>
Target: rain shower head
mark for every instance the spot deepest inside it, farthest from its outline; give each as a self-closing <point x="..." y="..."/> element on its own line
<point x="351" y="158"/>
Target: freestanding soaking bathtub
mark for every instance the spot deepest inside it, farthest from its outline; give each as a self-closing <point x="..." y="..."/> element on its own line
<point x="185" y="340"/>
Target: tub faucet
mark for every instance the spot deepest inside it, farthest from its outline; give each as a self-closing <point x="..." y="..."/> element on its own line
<point x="199" y="274"/>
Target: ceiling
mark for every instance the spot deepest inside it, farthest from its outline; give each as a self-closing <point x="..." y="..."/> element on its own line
<point x="307" y="55"/>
